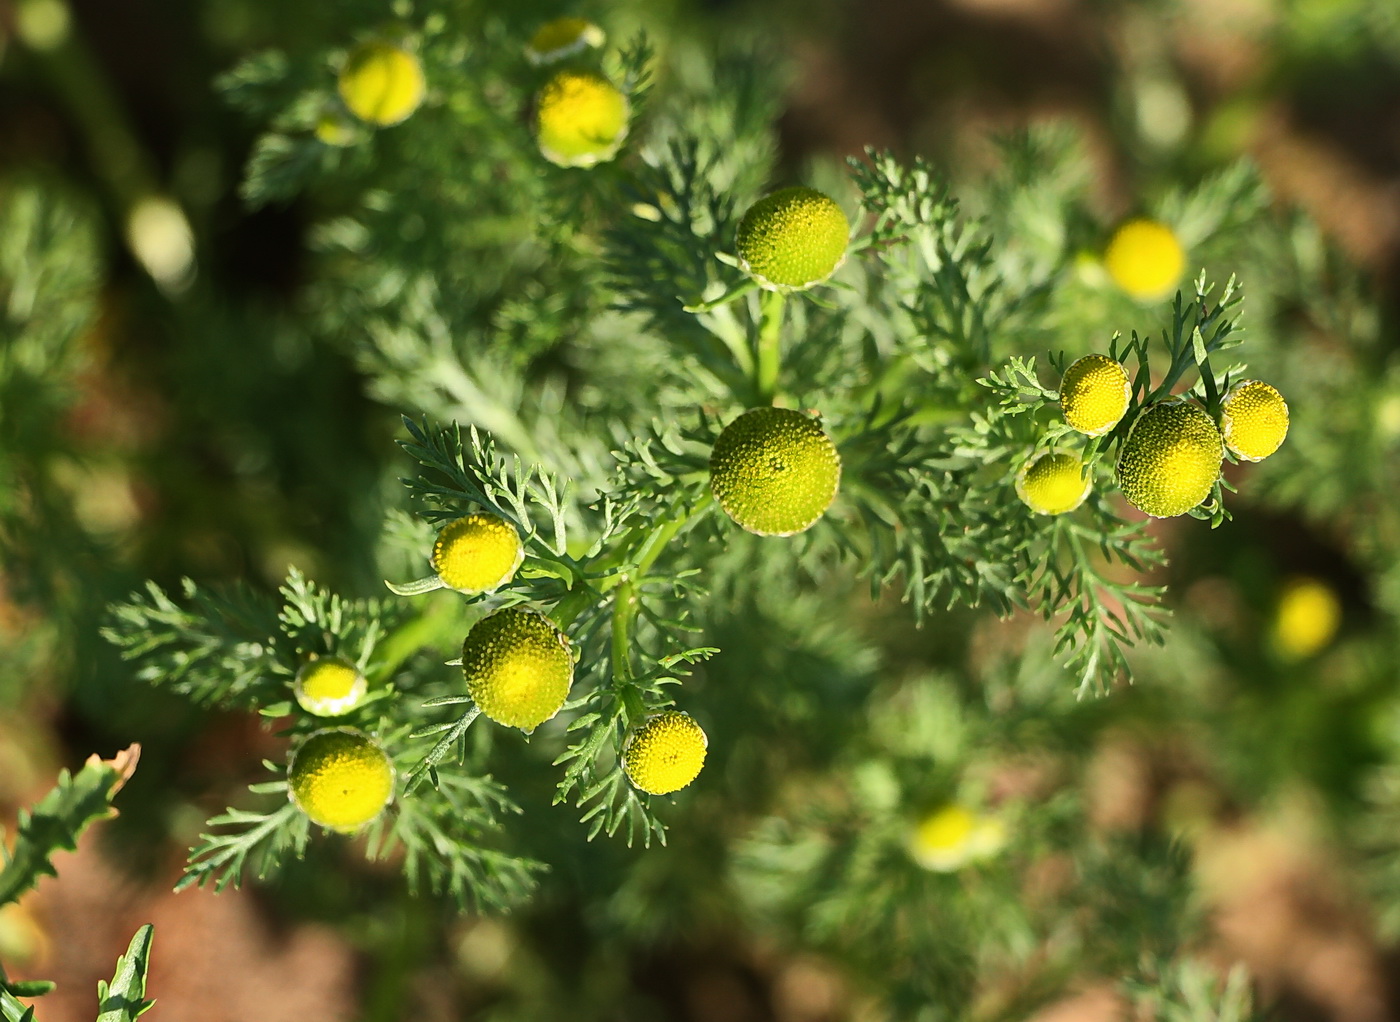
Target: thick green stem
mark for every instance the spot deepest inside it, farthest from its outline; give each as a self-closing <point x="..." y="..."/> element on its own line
<point x="768" y="351"/>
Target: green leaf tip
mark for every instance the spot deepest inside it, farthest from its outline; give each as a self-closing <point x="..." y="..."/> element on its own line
<point x="57" y="820"/>
<point x="124" y="998"/>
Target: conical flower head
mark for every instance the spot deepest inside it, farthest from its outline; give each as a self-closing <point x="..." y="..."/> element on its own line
<point x="563" y="37"/>
<point x="1171" y="459"/>
<point x="1094" y="394"/>
<point x="477" y="553"/>
<point x="793" y="239"/>
<point x="666" y="753"/>
<point x="518" y="667"/>
<point x="1053" y="483"/>
<point x="1145" y="259"/>
<point x="381" y="84"/>
<point x="329" y="686"/>
<point x="580" y="118"/>
<point x="774" y="471"/>
<point x="340" y="778"/>
<point x="1253" y="420"/>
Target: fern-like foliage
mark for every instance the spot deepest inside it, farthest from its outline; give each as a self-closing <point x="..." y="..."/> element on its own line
<point x="55" y="821"/>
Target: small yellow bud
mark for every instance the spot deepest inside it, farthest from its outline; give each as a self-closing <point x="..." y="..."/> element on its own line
<point x="329" y="686"/>
<point x="954" y="836"/>
<point x="518" y="667"/>
<point x="334" y="129"/>
<point x="477" y="553"/>
<point x="793" y="239"/>
<point x="1053" y="483"/>
<point x="1253" y="420"/>
<point x="1307" y="618"/>
<point x="563" y="37"/>
<point x="340" y="778"/>
<point x="1145" y="259"/>
<point x="580" y="118"/>
<point x="1171" y="459"/>
<point x="774" y="471"/>
<point x="381" y="84"/>
<point x="665" y="753"/>
<point x="1094" y="394"/>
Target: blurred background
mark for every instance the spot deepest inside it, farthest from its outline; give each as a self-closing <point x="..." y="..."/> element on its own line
<point x="171" y="414"/>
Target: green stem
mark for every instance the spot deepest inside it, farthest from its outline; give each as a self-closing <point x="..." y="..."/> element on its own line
<point x="441" y="749"/>
<point x="768" y="351"/>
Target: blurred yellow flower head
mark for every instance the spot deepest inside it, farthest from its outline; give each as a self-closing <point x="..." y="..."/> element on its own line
<point x="1145" y="259"/>
<point x="1307" y="618"/>
<point x="953" y="837"/>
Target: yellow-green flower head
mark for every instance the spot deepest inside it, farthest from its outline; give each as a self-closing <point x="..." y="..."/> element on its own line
<point x="580" y="118"/>
<point x="666" y="753"/>
<point x="793" y="239"/>
<point x="477" y="553"/>
<point x="340" y="778"/>
<point x="381" y="84"/>
<point x="335" y="129"/>
<point x="954" y="836"/>
<point x="563" y="37"/>
<point x="1171" y="459"/>
<point x="1253" y="420"/>
<point x="774" y="471"/>
<point x="329" y="686"/>
<point x="1307" y="618"/>
<point x="1145" y="259"/>
<point x="1053" y="483"/>
<point x="518" y="667"/>
<point x="1094" y="394"/>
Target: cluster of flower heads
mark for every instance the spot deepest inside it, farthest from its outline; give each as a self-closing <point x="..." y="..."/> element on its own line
<point x="580" y="116"/>
<point x="1171" y="455"/>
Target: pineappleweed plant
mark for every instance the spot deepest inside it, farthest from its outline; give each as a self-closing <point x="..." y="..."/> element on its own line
<point x="835" y="381"/>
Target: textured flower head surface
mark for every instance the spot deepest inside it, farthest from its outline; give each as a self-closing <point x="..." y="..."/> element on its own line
<point x="955" y="836"/>
<point x="1053" y="483"/>
<point x="1094" y="394"/>
<point x="580" y="118"/>
<point x="1253" y="420"/>
<point x="340" y="778"/>
<point x="666" y="753"/>
<point x="563" y="37"/>
<point x="793" y="239"/>
<point x="329" y="686"/>
<point x="1145" y="259"/>
<point x="774" y="471"/>
<point x="477" y="553"/>
<point x="1307" y="618"/>
<point x="381" y="84"/>
<point x="518" y="667"/>
<point x="1171" y="459"/>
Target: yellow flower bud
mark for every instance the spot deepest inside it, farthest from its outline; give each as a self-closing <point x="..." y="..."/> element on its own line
<point x="1145" y="259"/>
<point x="665" y="753"/>
<point x="1307" y="618"/>
<point x="477" y="553"/>
<point x="1171" y="459"/>
<point x="954" y="836"/>
<point x="329" y="686"/>
<point x="518" y="667"/>
<point x="1094" y="394"/>
<point x="1053" y="483"/>
<point x="340" y="778"/>
<point x="580" y="118"/>
<point x="1253" y="420"/>
<point x="793" y="239"/>
<point x="381" y="84"/>
<point x="774" y="471"/>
